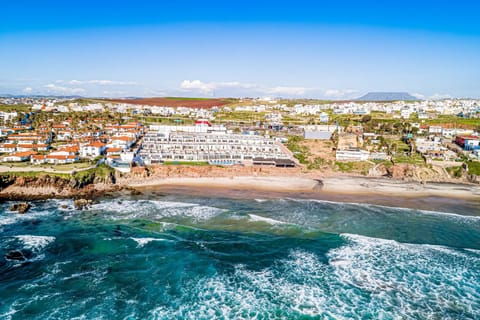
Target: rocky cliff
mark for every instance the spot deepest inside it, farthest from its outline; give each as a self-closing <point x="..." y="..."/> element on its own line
<point x="410" y="172"/>
<point x="87" y="183"/>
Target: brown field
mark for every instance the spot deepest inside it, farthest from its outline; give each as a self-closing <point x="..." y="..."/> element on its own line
<point x="177" y="102"/>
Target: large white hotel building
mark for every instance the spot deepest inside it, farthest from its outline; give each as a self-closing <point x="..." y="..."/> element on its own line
<point x="213" y="144"/>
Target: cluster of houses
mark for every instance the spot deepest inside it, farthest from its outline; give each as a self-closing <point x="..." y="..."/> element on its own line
<point x="423" y="109"/>
<point x="434" y="143"/>
<point x="71" y="141"/>
<point x="61" y="143"/>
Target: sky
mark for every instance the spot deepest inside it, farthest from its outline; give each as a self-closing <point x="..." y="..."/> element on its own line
<point x="294" y="49"/>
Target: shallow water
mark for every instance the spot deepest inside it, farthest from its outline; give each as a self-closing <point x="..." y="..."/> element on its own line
<point x="195" y="257"/>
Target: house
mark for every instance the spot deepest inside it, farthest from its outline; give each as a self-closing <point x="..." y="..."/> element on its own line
<point x="19" y="156"/>
<point x="21" y="147"/>
<point x="53" y="159"/>
<point x="405" y="113"/>
<point x="319" y="132"/>
<point x="435" y="129"/>
<point x="468" y="142"/>
<point x="57" y="159"/>
<point x="324" y="117"/>
<point x="93" y="149"/>
<point x="64" y="135"/>
<point x="123" y="142"/>
<point x="41" y="147"/>
<point x="67" y="150"/>
<point x="7" y="148"/>
<point x="113" y="151"/>
<point x="352" y="154"/>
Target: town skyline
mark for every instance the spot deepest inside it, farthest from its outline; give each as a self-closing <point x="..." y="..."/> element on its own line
<point x="308" y="50"/>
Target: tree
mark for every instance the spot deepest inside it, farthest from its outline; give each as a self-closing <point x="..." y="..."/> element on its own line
<point x="366" y="118"/>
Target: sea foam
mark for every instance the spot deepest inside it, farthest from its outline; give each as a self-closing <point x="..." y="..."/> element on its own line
<point x="35" y="243"/>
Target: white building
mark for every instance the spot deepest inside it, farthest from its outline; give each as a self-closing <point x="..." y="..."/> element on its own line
<point x="211" y="147"/>
<point x="92" y="150"/>
<point x="353" y="154"/>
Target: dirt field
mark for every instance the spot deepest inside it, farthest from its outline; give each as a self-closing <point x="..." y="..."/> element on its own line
<point x="177" y="102"/>
<point x="322" y="149"/>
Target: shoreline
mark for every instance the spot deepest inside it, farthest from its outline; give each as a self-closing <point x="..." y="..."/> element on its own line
<point x="350" y="185"/>
<point x="302" y="185"/>
<point x="439" y="196"/>
<point x="459" y="199"/>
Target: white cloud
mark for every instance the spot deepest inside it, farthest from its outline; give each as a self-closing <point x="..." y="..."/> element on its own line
<point x="440" y="96"/>
<point x="75" y="82"/>
<point x="250" y="89"/>
<point x="101" y="82"/>
<point x="339" y="93"/>
<point x="288" y="91"/>
<point x="64" y="90"/>
<point x="419" y="96"/>
<point x="209" y="87"/>
<point x="27" y="90"/>
<point x="114" y="93"/>
<point x="205" y="88"/>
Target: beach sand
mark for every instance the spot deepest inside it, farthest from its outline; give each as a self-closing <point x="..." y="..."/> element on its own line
<point x="455" y="198"/>
<point x="340" y="185"/>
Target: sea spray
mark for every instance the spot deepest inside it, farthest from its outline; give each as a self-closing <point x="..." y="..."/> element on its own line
<point x="204" y="258"/>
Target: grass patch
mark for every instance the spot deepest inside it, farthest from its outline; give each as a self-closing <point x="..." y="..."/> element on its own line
<point x="361" y="167"/>
<point x="471" y="122"/>
<point x="88" y="176"/>
<point x="301" y="152"/>
<point x="412" y="159"/>
<point x="15" y="107"/>
<point x="318" y="163"/>
<point x="186" y="163"/>
<point x="474" y="167"/>
<point x="35" y="174"/>
<point x="455" y="172"/>
<point x="386" y="163"/>
<point x="57" y="167"/>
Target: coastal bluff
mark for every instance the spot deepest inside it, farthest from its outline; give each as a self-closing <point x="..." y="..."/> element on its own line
<point x="41" y="185"/>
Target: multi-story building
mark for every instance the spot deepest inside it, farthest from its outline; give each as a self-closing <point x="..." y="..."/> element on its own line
<point x="215" y="148"/>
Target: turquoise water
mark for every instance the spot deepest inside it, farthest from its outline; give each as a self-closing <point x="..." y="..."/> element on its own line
<point x="193" y="257"/>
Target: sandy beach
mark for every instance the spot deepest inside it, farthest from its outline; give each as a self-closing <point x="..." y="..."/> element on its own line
<point x="330" y="185"/>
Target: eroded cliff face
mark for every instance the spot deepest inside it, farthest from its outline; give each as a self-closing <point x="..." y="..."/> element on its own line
<point x="49" y="186"/>
<point x="410" y="172"/>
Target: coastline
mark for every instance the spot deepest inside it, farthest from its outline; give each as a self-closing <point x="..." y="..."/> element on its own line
<point x="348" y="185"/>
<point x="436" y="196"/>
<point x="459" y="199"/>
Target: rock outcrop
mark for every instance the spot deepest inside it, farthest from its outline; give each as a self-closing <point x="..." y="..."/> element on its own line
<point x="81" y="204"/>
<point x="21" y="207"/>
<point x="411" y="172"/>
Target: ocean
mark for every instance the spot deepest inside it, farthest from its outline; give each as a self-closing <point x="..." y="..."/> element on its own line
<point x="186" y="256"/>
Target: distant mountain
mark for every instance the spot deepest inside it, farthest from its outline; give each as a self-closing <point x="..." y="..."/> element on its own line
<point x="387" y="96"/>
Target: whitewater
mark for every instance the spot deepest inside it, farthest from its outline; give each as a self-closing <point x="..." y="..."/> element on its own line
<point x="197" y="257"/>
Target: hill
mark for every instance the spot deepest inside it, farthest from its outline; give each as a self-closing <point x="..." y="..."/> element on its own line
<point x="387" y="96"/>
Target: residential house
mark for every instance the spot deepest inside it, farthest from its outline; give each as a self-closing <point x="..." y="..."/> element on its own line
<point x="8" y="147"/>
<point x="18" y="156"/>
<point x="123" y="142"/>
<point x="92" y="150"/>
<point x="468" y="142"/>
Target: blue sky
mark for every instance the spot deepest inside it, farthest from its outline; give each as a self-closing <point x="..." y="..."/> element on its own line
<point x="316" y="49"/>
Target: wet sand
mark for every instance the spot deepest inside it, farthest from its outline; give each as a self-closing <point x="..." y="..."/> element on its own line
<point x="454" y="198"/>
